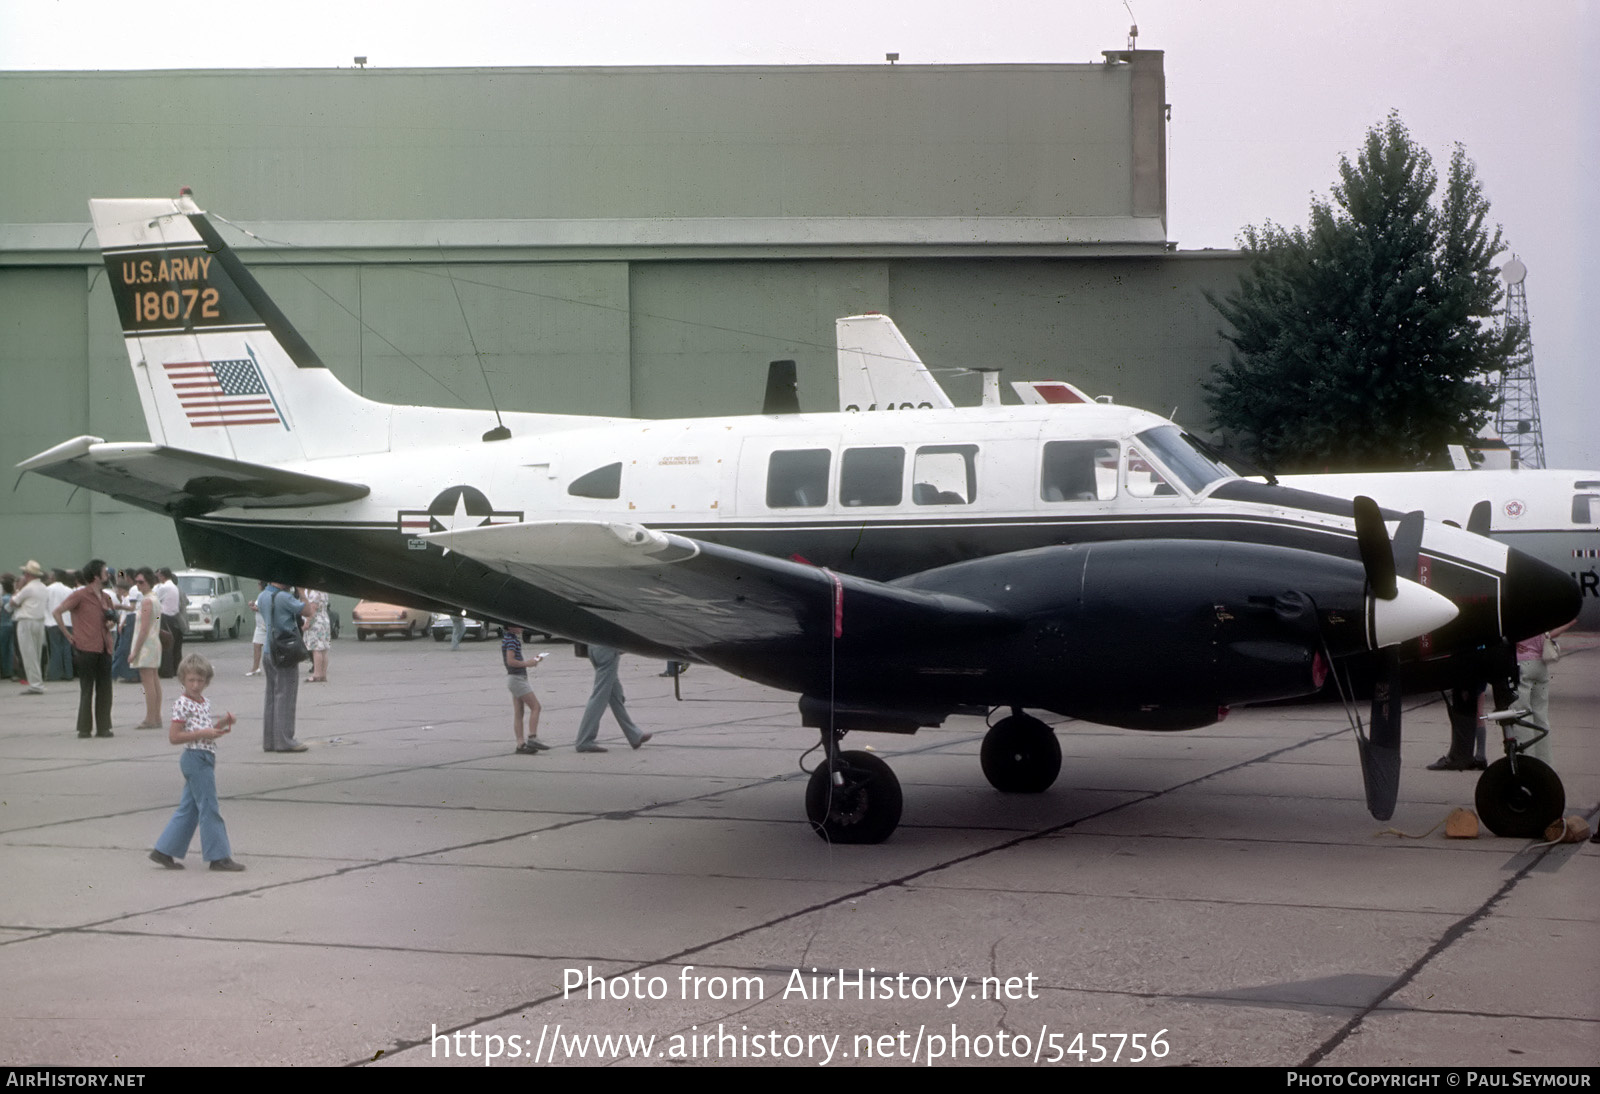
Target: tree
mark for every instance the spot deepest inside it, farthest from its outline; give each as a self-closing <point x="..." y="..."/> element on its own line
<point x="1364" y="340"/>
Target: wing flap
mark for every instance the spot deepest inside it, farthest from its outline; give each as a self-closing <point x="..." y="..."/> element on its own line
<point x="693" y="595"/>
<point x="178" y="482"/>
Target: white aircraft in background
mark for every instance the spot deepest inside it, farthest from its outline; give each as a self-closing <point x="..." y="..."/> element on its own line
<point x="891" y="569"/>
<point x="1552" y="515"/>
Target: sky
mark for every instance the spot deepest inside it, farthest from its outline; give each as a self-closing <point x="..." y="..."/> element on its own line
<point x="1265" y="96"/>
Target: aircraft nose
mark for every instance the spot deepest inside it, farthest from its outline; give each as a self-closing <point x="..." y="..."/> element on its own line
<point x="1535" y="597"/>
<point x="1411" y="612"/>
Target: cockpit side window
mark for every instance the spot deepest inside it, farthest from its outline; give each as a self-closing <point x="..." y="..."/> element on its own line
<point x="1144" y="481"/>
<point x="1184" y="456"/>
<point x="1584" y="507"/>
<point x="945" y="474"/>
<point x="798" y="478"/>
<point x="872" y="476"/>
<point x="1078" y="471"/>
<point x="602" y="482"/>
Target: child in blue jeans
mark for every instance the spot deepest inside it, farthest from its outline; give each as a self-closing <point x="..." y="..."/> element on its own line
<point x="194" y="727"/>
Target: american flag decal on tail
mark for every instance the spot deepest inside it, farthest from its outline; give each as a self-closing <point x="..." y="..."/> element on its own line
<point x="223" y="393"/>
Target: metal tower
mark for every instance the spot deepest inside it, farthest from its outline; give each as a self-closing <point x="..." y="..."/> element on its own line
<point x="1517" y="420"/>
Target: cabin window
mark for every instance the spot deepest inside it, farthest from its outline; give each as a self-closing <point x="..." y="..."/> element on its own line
<point x="1078" y="471"/>
<point x="1144" y="481"/>
<point x="945" y="474"/>
<point x="872" y="476"/>
<point x="602" y="482"/>
<point x="798" y="478"/>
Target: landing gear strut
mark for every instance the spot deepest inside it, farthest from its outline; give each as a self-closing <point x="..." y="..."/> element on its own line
<point x="1020" y="754"/>
<point x="853" y="797"/>
<point x="1519" y="796"/>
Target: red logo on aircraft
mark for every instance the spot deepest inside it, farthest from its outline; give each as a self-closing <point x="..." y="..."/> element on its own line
<point x="1515" y="508"/>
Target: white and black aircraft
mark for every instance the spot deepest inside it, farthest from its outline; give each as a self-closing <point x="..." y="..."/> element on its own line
<point x="1553" y="515"/>
<point x="891" y="569"/>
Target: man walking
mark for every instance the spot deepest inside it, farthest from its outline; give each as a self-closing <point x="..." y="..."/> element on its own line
<point x="607" y="693"/>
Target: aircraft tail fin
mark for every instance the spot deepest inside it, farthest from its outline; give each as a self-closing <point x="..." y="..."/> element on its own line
<point x="219" y="369"/>
<point x="878" y="369"/>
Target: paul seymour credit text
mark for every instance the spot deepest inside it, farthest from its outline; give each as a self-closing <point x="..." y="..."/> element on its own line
<point x="922" y="1043"/>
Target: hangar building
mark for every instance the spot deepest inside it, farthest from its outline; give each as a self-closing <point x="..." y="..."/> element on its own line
<point x="633" y="241"/>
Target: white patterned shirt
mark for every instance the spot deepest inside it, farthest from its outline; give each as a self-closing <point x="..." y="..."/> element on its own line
<point x="195" y="717"/>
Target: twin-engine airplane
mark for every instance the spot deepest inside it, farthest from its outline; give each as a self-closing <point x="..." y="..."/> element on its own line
<point x="891" y="569"/>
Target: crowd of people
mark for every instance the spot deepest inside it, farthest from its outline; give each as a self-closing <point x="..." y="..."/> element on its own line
<point x="97" y="624"/>
<point x="94" y="625"/>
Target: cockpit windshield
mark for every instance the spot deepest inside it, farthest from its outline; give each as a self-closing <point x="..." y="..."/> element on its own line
<point x="1186" y="457"/>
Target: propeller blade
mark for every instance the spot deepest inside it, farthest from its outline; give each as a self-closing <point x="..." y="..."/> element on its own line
<point x="1380" y="752"/>
<point x="1377" y="557"/>
<point x="1478" y="522"/>
<point x="1408" y="545"/>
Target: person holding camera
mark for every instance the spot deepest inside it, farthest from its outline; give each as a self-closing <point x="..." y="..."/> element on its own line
<point x="283" y="612"/>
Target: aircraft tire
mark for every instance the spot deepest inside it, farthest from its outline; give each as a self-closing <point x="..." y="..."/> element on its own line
<point x="865" y="810"/>
<point x="1520" y="804"/>
<point x="1020" y="755"/>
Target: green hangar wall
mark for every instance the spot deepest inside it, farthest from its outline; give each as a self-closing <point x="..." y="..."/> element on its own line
<point x="634" y="241"/>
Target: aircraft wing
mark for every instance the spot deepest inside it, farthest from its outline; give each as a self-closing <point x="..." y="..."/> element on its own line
<point x="687" y="594"/>
<point x="178" y="482"/>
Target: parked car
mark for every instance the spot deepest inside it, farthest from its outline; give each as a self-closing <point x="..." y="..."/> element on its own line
<point x="217" y="605"/>
<point x="376" y="617"/>
<point x="475" y="629"/>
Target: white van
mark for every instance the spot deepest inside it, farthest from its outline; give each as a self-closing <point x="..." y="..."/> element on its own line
<point x="216" y="605"/>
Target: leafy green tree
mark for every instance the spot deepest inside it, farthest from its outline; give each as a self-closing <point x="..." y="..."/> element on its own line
<point x="1365" y="340"/>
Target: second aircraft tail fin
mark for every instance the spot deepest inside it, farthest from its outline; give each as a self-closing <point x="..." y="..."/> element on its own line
<point x="878" y="369"/>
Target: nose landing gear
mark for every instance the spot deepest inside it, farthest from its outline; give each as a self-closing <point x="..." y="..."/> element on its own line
<point x="852" y="797"/>
<point x="1519" y="796"/>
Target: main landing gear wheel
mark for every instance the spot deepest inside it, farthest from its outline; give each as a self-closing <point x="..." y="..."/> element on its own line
<point x="1021" y="755"/>
<point x="1520" y="804"/>
<point x="864" y="809"/>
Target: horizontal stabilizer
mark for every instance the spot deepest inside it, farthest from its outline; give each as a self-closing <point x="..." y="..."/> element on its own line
<point x="691" y="595"/>
<point x="177" y="482"/>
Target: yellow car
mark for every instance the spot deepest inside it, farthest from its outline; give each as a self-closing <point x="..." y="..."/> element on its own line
<point x="376" y="617"/>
